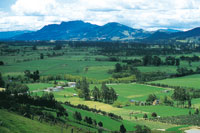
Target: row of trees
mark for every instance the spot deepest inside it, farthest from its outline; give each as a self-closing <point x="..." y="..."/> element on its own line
<point x="157" y="61"/>
<point x="105" y="94"/>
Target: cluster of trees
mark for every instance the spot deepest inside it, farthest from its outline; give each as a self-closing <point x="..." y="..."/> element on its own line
<point x="121" y="71"/>
<point x="86" y="119"/>
<point x="166" y="100"/>
<point x="15" y="88"/>
<point x="111" y="59"/>
<point x="35" y="75"/>
<point x="156" y="61"/>
<point x="139" y="129"/>
<point x="105" y="94"/>
<point x="181" y="96"/>
<point x="151" y="98"/>
<point x="30" y="106"/>
<point x="194" y="58"/>
<point x="142" y="129"/>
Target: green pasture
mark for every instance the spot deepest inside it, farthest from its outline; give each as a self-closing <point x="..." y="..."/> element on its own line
<point x="192" y="81"/>
<point x="13" y="123"/>
<point x="169" y="69"/>
<point x="135" y="91"/>
<point x="39" y="86"/>
<point x="61" y="65"/>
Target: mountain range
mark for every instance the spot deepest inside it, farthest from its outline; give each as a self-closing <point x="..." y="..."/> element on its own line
<point x="83" y="31"/>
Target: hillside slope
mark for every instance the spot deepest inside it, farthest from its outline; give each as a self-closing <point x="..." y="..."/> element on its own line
<point x="13" y="123"/>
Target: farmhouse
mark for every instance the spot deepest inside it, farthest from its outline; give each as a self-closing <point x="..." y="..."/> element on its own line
<point x="133" y="101"/>
<point x="165" y="91"/>
<point x="72" y="84"/>
<point x="2" y="89"/>
<point x="57" y="88"/>
<point x="156" y="102"/>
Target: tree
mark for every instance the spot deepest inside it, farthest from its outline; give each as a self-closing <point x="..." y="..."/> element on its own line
<point x="177" y="62"/>
<point x="147" y="60"/>
<point x="41" y="56"/>
<point x="36" y="75"/>
<point x="1" y="63"/>
<point x="77" y="116"/>
<point x="122" y="129"/>
<point x="180" y="95"/>
<point x="105" y="93"/>
<point x="151" y="98"/>
<point x="196" y="111"/>
<point x="96" y="94"/>
<point x="34" y="47"/>
<point x="2" y="83"/>
<point x="118" y="68"/>
<point x="27" y="73"/>
<point x="157" y="61"/>
<point x="58" y="47"/>
<point x="85" y="88"/>
<point x="154" y="114"/>
<point x="100" y="124"/>
<point x="145" y="116"/>
<point x="113" y="95"/>
<point x="138" y="129"/>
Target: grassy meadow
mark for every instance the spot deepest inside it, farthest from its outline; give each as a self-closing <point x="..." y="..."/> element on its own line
<point x="192" y="81"/>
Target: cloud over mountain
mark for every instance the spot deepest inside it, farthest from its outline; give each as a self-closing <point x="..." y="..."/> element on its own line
<point x="146" y="14"/>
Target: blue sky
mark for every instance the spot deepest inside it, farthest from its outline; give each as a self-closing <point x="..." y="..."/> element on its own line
<point x="145" y="14"/>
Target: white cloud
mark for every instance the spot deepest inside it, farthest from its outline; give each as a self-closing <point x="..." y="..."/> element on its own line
<point x="146" y="14"/>
<point x="34" y="7"/>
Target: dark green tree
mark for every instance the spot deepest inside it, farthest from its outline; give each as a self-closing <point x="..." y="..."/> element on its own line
<point x="118" y="68"/>
<point x="96" y="93"/>
<point x="154" y="114"/>
<point x="122" y="129"/>
<point x="100" y="124"/>
<point x="151" y="98"/>
<point x="41" y="56"/>
<point x="2" y="83"/>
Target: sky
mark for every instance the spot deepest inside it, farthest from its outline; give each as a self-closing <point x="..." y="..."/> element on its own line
<point x="141" y="14"/>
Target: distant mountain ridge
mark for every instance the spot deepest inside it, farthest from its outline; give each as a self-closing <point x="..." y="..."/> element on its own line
<point x="9" y="34"/>
<point x="79" y="30"/>
<point x="84" y="31"/>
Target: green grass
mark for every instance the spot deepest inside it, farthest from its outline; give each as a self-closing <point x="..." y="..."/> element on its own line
<point x="161" y="110"/>
<point x="169" y="69"/>
<point x="106" y="120"/>
<point x="192" y="81"/>
<point x="60" y="65"/>
<point x="134" y="91"/>
<point x="39" y="86"/>
<point x="14" y="123"/>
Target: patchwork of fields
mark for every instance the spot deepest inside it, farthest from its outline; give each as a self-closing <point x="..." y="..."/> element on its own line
<point x="83" y="64"/>
<point x="127" y="92"/>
